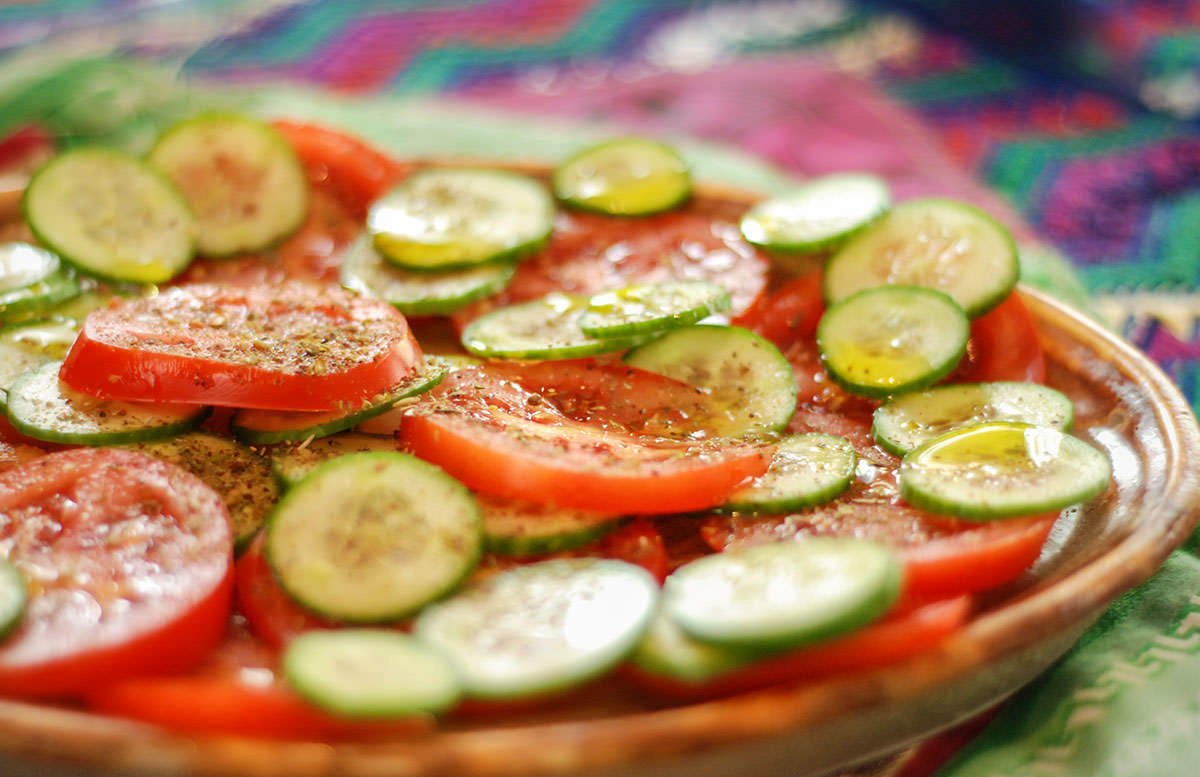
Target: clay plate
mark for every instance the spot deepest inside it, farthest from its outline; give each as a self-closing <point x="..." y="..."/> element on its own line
<point x="1123" y="403"/>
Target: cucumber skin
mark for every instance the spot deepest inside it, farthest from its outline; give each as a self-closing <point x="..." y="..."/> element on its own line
<point x="502" y="545"/>
<point x="923" y="382"/>
<point x="58" y="287"/>
<point x="869" y="612"/>
<point x="780" y="506"/>
<point x="270" y="132"/>
<point x="450" y="588"/>
<point x="896" y="450"/>
<point x="826" y="244"/>
<point x="680" y="199"/>
<point x="92" y="271"/>
<point x="13" y="577"/>
<point x="263" y="437"/>
<point x="662" y="324"/>
<point x="980" y="308"/>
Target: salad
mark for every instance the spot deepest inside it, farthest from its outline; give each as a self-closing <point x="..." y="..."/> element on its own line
<point x="303" y="441"/>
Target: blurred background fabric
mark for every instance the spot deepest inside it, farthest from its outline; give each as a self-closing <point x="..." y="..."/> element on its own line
<point x="1076" y="121"/>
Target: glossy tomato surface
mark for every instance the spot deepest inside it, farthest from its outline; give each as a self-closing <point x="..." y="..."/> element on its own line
<point x="288" y="347"/>
<point x="129" y="567"/>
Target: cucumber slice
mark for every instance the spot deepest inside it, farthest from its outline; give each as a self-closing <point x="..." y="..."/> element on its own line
<point x="782" y="595"/>
<point x="293" y="463"/>
<point x="373" y="537"/>
<point x="453" y="219"/>
<point x="111" y="215"/>
<point x="541" y="627"/>
<point x="817" y="216"/>
<point x="369" y="673"/>
<point x="892" y="339"/>
<point x="624" y="177"/>
<point x="908" y="422"/>
<point x="806" y="470"/>
<point x="752" y="385"/>
<point x="266" y="427"/>
<point x="241" y="179"/>
<point x="517" y="528"/>
<point x="32" y="280"/>
<point x="667" y="651"/>
<point x="941" y="244"/>
<point x="420" y="293"/>
<point x="44" y="408"/>
<point x="240" y="476"/>
<point x="651" y="307"/>
<point x="13" y="597"/>
<point x="1000" y="470"/>
<point x="31" y="344"/>
<point x="546" y="328"/>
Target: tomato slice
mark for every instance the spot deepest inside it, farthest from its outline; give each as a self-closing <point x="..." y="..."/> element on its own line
<point x="499" y="439"/>
<point x="129" y="566"/>
<point x="289" y="347"/>
<point x="883" y="643"/>
<point x="789" y="313"/>
<point x="271" y="613"/>
<point x="612" y="395"/>
<point x="14" y="454"/>
<point x="1004" y="345"/>
<point x="589" y="253"/>
<point x="236" y="693"/>
<point x="344" y="165"/>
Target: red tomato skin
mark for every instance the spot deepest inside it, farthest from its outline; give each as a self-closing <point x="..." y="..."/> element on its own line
<point x="789" y="313"/>
<point x="468" y="451"/>
<point x="236" y="693"/>
<point x="637" y="542"/>
<point x="56" y="654"/>
<point x="273" y="616"/>
<point x="1004" y="345"/>
<point x="96" y="365"/>
<point x="886" y="642"/>
<point x="964" y="564"/>
<point x="352" y="170"/>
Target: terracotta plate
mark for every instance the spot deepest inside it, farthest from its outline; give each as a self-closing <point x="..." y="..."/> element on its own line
<point x="1123" y="403"/>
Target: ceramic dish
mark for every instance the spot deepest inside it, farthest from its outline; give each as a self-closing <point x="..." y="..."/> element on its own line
<point x="1124" y="404"/>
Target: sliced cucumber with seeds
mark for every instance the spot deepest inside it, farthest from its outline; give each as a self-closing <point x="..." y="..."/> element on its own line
<point x="372" y="537"/>
<point x="941" y="244"/>
<point x="44" y="408"/>
<point x="31" y="344"/>
<point x="652" y="307"/>
<point x="818" y="216"/>
<point x="453" y="219"/>
<point x="241" y="477"/>
<point x="293" y="463"/>
<point x="752" y="385"/>
<point x="266" y="427"/>
<point x="783" y="595"/>
<point x="420" y="292"/>
<point x="516" y="528"/>
<point x="241" y="178"/>
<point x="546" y="328"/>
<point x="111" y="215"/>
<point x="32" y="280"/>
<point x="908" y="422"/>
<point x="806" y="470"/>
<point x="541" y="627"/>
<point x="369" y="673"/>
<point x="13" y="597"/>
<point x="892" y="339"/>
<point x="1001" y="470"/>
<point x="624" y="177"/>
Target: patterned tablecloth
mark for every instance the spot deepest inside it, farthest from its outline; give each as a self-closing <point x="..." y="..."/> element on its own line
<point x="1067" y="118"/>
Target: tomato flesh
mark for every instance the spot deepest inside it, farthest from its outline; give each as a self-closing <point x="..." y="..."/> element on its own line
<point x="290" y="347"/>
<point x="128" y="562"/>
<point x="499" y="439"/>
<point x="589" y="253"/>
<point x="886" y="642"/>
